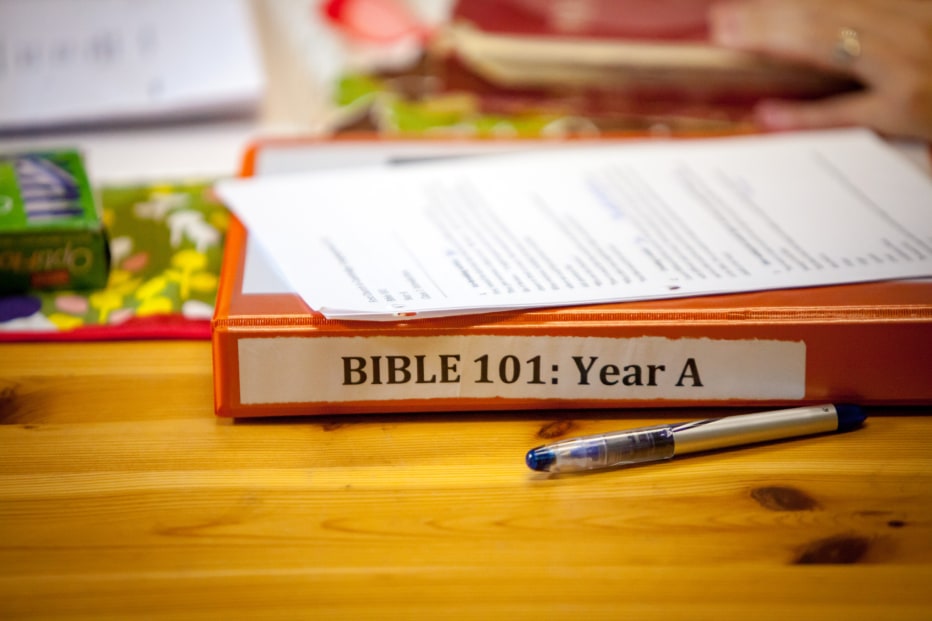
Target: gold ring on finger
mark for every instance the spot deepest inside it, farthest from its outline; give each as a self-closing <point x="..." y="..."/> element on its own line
<point x="847" y="46"/>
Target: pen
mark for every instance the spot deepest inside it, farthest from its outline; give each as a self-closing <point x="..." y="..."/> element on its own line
<point x="633" y="446"/>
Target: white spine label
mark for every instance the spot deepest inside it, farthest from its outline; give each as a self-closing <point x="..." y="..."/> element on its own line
<point x="345" y="369"/>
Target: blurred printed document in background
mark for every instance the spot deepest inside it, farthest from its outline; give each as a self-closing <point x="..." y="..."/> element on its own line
<point x="66" y="62"/>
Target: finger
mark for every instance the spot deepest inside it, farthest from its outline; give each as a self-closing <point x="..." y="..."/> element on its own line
<point x="840" y="111"/>
<point x="807" y="32"/>
<point x="760" y="26"/>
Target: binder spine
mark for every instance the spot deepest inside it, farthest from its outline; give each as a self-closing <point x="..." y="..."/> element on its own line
<point x="270" y="371"/>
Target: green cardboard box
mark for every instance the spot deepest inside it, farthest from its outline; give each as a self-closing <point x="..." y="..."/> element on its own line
<point x="51" y="234"/>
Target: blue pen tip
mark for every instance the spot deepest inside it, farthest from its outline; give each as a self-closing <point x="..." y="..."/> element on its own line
<point x="850" y="416"/>
<point x="540" y="458"/>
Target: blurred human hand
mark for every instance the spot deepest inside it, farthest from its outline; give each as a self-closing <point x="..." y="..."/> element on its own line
<point x="886" y="44"/>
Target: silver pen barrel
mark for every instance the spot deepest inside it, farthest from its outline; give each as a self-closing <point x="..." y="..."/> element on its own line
<point x="717" y="433"/>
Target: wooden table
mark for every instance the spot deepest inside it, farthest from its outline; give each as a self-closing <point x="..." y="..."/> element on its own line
<point x="121" y="496"/>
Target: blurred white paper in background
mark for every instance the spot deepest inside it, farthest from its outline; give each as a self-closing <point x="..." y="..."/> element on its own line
<point x="66" y="63"/>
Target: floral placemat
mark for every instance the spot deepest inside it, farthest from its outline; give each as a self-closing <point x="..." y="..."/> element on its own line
<point x="166" y="247"/>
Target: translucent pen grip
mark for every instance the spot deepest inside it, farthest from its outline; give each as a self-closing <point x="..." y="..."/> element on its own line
<point x="605" y="450"/>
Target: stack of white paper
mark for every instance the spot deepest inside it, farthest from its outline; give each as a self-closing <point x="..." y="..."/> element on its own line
<point x="594" y="224"/>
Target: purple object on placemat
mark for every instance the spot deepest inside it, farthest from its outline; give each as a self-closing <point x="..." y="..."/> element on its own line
<point x="18" y="306"/>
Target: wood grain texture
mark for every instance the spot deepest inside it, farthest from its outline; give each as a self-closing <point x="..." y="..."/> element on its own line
<point x="122" y="496"/>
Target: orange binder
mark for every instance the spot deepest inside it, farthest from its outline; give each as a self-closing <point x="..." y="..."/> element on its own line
<point x="273" y="355"/>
